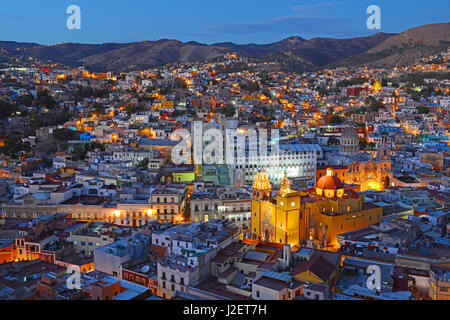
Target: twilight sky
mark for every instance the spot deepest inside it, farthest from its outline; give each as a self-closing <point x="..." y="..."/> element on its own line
<point x="209" y="21"/>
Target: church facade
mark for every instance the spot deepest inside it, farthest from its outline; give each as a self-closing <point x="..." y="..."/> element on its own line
<point x="316" y="216"/>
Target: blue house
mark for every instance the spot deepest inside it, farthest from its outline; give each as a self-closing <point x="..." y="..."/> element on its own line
<point x="86" y="137"/>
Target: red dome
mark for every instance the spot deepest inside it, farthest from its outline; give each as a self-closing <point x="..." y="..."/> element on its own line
<point x="329" y="182"/>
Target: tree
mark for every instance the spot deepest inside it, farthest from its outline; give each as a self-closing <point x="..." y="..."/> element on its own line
<point x="47" y="145"/>
<point x="144" y="163"/>
<point x="333" y="141"/>
<point x="26" y="100"/>
<point x="97" y="109"/>
<point x="228" y="111"/>
<point x="423" y="110"/>
<point x="6" y="109"/>
<point x="373" y="104"/>
<point x="330" y="110"/>
<point x="46" y="100"/>
<point x="64" y="135"/>
<point x="13" y="146"/>
<point x="323" y="92"/>
<point x="130" y="109"/>
<point x="337" y="119"/>
<point x="387" y="182"/>
<point x="180" y="83"/>
<point x="79" y="152"/>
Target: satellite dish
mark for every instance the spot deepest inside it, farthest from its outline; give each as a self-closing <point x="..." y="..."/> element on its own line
<point x="145" y="269"/>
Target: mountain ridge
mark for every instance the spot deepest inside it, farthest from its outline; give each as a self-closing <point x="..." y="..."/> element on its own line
<point x="293" y="53"/>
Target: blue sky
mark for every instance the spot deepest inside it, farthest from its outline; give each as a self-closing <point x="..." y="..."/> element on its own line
<point x="209" y="21"/>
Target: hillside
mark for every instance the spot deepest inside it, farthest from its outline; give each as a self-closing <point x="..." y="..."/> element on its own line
<point x="405" y="48"/>
<point x="294" y="53"/>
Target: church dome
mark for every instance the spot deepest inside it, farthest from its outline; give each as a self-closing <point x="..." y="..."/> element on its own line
<point x="349" y="142"/>
<point x="329" y="182"/>
<point x="350" y="133"/>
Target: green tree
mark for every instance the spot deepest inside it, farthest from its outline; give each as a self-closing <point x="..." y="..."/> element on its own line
<point x="64" y="135"/>
<point x="423" y="110"/>
<point x="26" y="100"/>
<point x="333" y="141"/>
<point x="13" y="146"/>
<point x="229" y="110"/>
<point x="46" y="100"/>
<point x="6" y="109"/>
<point x="337" y="119"/>
<point x="144" y="163"/>
<point x="97" y="109"/>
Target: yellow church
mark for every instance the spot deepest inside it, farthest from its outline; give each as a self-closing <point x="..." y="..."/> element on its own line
<point x="317" y="215"/>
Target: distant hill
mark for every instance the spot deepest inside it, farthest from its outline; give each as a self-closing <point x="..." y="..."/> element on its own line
<point x="294" y="53"/>
<point x="260" y="50"/>
<point x="141" y="55"/>
<point x="405" y="48"/>
<point x="320" y="52"/>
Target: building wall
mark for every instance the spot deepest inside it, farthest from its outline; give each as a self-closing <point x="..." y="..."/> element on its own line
<point x="6" y="255"/>
<point x="88" y="243"/>
<point x="105" y="292"/>
<point x="267" y="293"/>
<point x="170" y="280"/>
<point x="439" y="289"/>
<point x="109" y="263"/>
